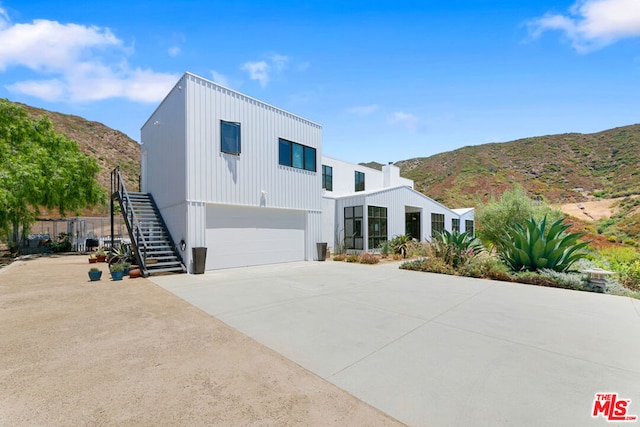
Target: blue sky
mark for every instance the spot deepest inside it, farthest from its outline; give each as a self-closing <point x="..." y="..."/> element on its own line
<point x="387" y="80"/>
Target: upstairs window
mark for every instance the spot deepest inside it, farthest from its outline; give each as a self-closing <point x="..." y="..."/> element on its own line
<point x="359" y="181"/>
<point x="455" y="225"/>
<point x="229" y="137"/>
<point x="327" y="177"/>
<point x="296" y="155"/>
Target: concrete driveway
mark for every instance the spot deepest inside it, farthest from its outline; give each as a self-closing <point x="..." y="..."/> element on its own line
<point x="435" y="350"/>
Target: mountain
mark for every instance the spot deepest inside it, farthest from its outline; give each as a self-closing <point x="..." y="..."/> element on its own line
<point x="109" y="147"/>
<point x="563" y="168"/>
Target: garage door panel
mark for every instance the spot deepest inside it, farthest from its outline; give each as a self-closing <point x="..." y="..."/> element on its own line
<point x="253" y="236"/>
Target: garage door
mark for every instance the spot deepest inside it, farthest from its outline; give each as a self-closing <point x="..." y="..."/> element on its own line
<point x="238" y="236"/>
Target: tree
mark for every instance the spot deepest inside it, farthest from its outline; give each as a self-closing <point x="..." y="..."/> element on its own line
<point x="40" y="168"/>
<point x="497" y="216"/>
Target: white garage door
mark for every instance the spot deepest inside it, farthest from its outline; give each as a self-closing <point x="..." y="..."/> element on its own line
<point x="238" y="236"/>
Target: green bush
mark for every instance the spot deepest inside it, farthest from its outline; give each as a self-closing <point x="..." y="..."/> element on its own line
<point x="630" y="277"/>
<point x="485" y="267"/>
<point x="456" y="248"/>
<point x="429" y="265"/>
<point x="401" y="244"/>
<point x="352" y="258"/>
<point x="617" y="258"/>
<point x="532" y="246"/>
<point x="514" y="206"/>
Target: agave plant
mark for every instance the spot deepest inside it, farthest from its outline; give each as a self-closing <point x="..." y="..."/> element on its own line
<point x="456" y="248"/>
<point x="532" y="246"/>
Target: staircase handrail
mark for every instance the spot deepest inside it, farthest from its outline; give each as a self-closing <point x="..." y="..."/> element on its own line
<point x="117" y="186"/>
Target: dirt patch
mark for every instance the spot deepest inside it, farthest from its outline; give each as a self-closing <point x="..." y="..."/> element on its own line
<point x="76" y="352"/>
<point x="592" y="210"/>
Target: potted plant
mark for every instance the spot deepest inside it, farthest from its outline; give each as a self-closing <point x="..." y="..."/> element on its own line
<point x="95" y="274"/>
<point x="117" y="271"/>
<point x="127" y="268"/>
<point x="134" y="272"/>
<point x="101" y="255"/>
<point x="92" y="259"/>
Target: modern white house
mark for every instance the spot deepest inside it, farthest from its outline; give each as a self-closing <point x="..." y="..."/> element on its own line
<point x="248" y="181"/>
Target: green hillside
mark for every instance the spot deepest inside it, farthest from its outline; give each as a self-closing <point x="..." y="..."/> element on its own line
<point x="559" y="168"/>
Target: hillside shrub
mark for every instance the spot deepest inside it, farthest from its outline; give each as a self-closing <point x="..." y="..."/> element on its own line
<point x="532" y="246"/>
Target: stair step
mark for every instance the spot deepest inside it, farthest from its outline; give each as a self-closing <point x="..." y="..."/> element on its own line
<point x="166" y="270"/>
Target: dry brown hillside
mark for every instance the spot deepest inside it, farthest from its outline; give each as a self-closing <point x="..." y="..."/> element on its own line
<point x="108" y="146"/>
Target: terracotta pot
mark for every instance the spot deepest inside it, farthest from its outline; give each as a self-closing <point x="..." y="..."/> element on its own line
<point x="133" y="273"/>
<point x="93" y="260"/>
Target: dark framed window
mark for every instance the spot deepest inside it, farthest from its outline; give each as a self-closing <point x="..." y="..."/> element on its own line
<point x="327" y="177"/>
<point x="229" y="137"/>
<point x="359" y="177"/>
<point x="377" y="226"/>
<point x="468" y="227"/>
<point x="296" y="155"/>
<point x="455" y="225"/>
<point x="437" y="224"/>
<point x="353" y="227"/>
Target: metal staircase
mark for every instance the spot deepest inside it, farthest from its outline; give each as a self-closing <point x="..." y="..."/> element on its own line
<point x="151" y="242"/>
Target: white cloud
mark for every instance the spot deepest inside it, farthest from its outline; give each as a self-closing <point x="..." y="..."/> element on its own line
<point x="49" y="90"/>
<point x="174" y="51"/>
<point x="257" y="71"/>
<point x="592" y="24"/>
<point x="262" y="71"/>
<point x="364" y="110"/>
<point x="279" y="62"/>
<point x="76" y="62"/>
<point x="411" y="122"/>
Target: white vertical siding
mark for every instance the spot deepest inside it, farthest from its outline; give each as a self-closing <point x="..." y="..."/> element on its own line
<point x="398" y="201"/>
<point x="344" y="177"/>
<point x="163" y="142"/>
<point x="313" y="234"/>
<point x="329" y="222"/>
<point x="253" y="178"/>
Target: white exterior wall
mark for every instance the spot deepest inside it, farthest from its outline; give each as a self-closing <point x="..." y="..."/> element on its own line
<point x="185" y="170"/>
<point x="164" y="152"/>
<point x="344" y="177"/>
<point x="253" y="178"/>
<point x="398" y="201"/>
<point x="329" y="222"/>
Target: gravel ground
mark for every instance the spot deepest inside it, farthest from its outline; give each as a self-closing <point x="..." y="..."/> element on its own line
<point x="74" y="352"/>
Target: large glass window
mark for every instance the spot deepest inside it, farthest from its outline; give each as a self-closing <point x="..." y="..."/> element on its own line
<point x="468" y="226"/>
<point x="359" y="177"/>
<point x="229" y="137"/>
<point x="455" y="225"/>
<point x="297" y="159"/>
<point x="353" y="227"/>
<point x="327" y="177"/>
<point x="296" y="155"/>
<point x="377" y="223"/>
<point x="437" y="224"/>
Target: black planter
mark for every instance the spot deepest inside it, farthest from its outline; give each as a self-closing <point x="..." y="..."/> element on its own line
<point x="199" y="256"/>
